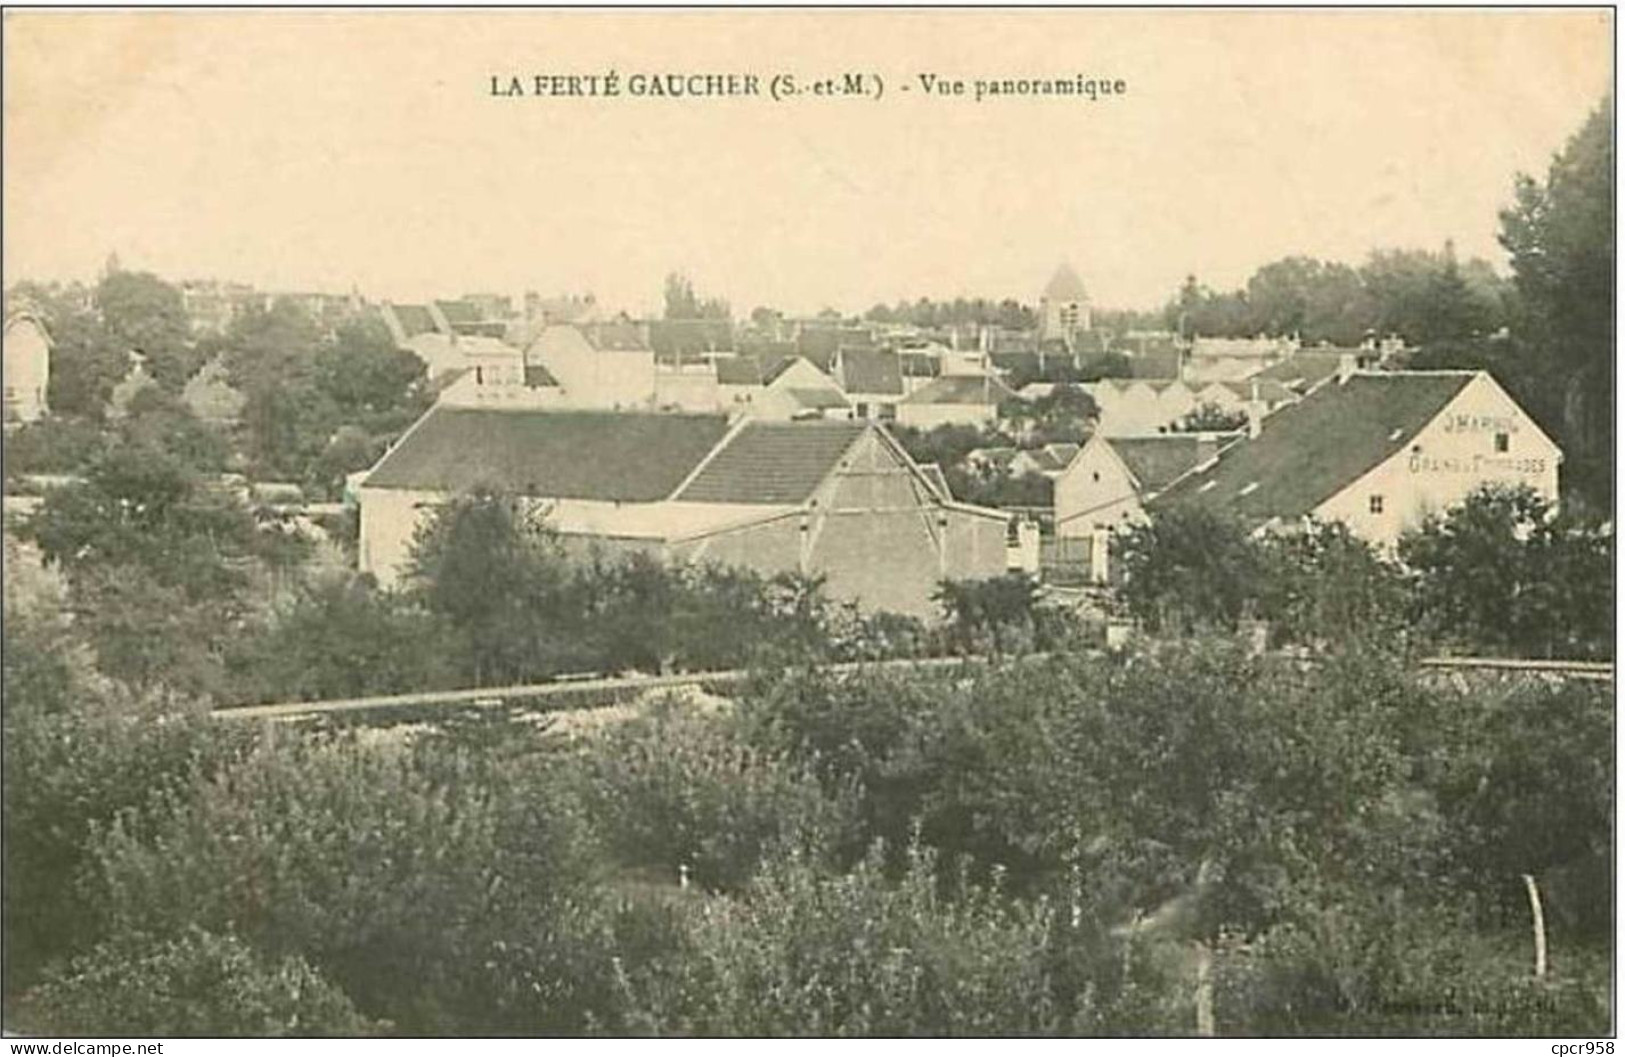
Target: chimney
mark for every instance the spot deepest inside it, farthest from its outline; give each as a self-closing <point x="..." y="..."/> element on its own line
<point x="1256" y="410"/>
<point x="1346" y="364"/>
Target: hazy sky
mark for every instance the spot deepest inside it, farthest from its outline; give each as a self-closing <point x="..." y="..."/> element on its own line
<point x="312" y="151"/>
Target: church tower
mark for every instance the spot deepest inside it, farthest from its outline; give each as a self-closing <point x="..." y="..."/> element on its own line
<point x="1064" y="307"/>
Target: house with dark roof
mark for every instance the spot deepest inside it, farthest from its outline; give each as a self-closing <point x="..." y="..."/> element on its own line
<point x="1378" y="451"/>
<point x="960" y="399"/>
<point x="836" y="499"/>
<point x="1304" y="369"/>
<point x="690" y="340"/>
<point x="1107" y="483"/>
<point x="872" y="380"/>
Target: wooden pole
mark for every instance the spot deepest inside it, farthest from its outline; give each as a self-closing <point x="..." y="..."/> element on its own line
<point x="1204" y="991"/>
<point x="1539" y="921"/>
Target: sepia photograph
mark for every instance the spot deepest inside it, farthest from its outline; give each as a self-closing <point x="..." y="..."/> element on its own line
<point x="808" y="523"/>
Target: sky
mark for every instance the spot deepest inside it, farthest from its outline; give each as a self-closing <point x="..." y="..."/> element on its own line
<point x="320" y="151"/>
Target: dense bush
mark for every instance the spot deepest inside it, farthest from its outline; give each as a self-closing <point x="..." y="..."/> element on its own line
<point x="674" y="790"/>
<point x="78" y="751"/>
<point x="1504" y="573"/>
<point x="1038" y="845"/>
<point x="197" y="984"/>
<point x="1501" y="574"/>
<point x="806" y="953"/>
<point x="415" y="884"/>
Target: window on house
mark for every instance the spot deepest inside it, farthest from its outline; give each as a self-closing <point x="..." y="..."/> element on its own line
<point x="863" y="411"/>
<point x="888" y="412"/>
<point x="1095" y="476"/>
<point x="1375" y="504"/>
<point x="479" y="376"/>
<point x="1502" y="442"/>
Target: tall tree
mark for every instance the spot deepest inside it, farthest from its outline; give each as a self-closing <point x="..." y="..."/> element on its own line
<point x="144" y="314"/>
<point x="1560" y="236"/>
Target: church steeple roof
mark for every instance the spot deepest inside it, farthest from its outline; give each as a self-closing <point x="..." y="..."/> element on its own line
<point x="1065" y="286"/>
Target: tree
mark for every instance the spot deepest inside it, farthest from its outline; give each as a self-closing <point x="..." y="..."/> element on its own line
<point x="361" y="369"/>
<point x="486" y="566"/>
<point x="144" y="314"/>
<point x="1560" y="236"/>
<point x="1502" y="573"/>
<point x="996" y="614"/>
<point x="683" y="303"/>
<point x="1188" y="567"/>
<point x="158" y="566"/>
<point x="1211" y="418"/>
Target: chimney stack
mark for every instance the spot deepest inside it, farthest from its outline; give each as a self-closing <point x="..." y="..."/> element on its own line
<point x="1346" y="364"/>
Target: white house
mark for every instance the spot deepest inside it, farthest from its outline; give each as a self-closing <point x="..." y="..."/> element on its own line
<point x="26" y="356"/>
<point x="872" y="380"/>
<point x="1378" y="451"/>
<point x="798" y="389"/>
<point x="599" y="365"/>
<point x="1131" y="407"/>
<point x="958" y="399"/>
<point x="1108" y="482"/>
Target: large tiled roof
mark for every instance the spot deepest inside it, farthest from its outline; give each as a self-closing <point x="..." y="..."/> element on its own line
<point x="871" y="371"/>
<point x="773" y="462"/>
<point x="459" y="312"/>
<point x="415" y="319"/>
<point x="676" y="339"/>
<point x="738" y="370"/>
<point x="1065" y="285"/>
<point x="1302" y="370"/>
<point x="1162" y="362"/>
<point x="962" y="389"/>
<point x="551" y="454"/>
<point x="1157" y="461"/>
<point x="1311" y="450"/>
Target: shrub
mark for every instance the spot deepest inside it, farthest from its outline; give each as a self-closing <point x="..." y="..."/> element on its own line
<point x="197" y="984"/>
<point x="1381" y="965"/>
<point x="416" y="886"/>
<point x="672" y="789"/>
<point x="806" y="953"/>
<point x="78" y="751"/>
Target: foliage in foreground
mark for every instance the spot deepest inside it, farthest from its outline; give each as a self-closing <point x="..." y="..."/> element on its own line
<point x="1027" y="848"/>
<point x="197" y="984"/>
